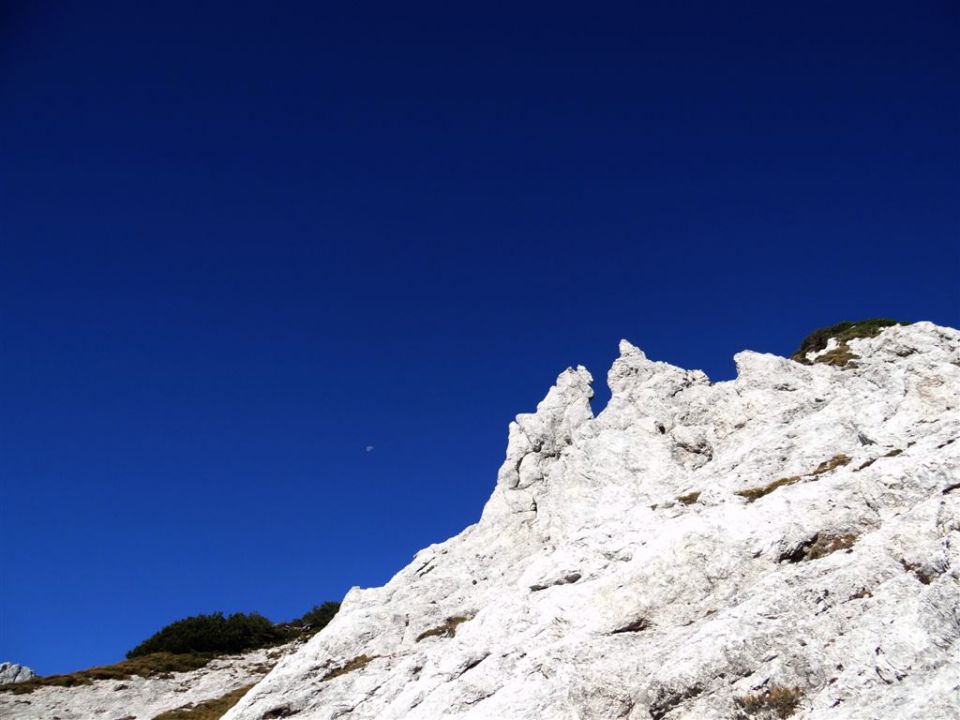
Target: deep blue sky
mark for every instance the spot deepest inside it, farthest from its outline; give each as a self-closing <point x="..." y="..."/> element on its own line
<point x="240" y="242"/>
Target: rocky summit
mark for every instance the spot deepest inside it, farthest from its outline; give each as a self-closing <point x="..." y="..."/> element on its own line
<point x="781" y="545"/>
<point x="785" y="544"/>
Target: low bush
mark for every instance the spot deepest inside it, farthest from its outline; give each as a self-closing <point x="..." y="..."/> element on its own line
<point x="832" y="464"/>
<point x="842" y="331"/>
<point x="314" y="620"/>
<point x="216" y="633"/>
<point x="191" y="643"/>
<point x="225" y="634"/>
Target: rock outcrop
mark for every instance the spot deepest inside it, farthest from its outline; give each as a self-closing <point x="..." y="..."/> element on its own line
<point x="14" y="673"/>
<point x="783" y="544"/>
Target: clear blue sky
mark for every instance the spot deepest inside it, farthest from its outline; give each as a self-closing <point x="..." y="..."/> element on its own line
<point x="241" y="242"/>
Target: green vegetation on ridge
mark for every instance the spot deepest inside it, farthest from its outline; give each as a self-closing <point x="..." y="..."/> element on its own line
<point x="215" y="633"/>
<point x="189" y="644"/>
<point x="225" y="634"/>
<point x="843" y="332"/>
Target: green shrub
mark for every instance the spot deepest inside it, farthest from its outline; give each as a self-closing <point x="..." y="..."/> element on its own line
<point x="314" y="620"/>
<point x="220" y="634"/>
<point x="843" y="331"/>
<point x="190" y="644"/>
<point x="214" y="633"/>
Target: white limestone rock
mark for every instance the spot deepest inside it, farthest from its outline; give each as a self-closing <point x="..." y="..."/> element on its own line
<point x="599" y="584"/>
<point x="14" y="673"/>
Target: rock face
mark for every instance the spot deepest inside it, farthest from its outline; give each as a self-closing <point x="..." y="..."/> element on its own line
<point x="787" y="542"/>
<point x="13" y="673"/>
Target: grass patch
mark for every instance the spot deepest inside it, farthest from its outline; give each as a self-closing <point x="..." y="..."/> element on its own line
<point x="312" y="621"/>
<point x="871" y="461"/>
<point x="832" y="464"/>
<point x="776" y="702"/>
<point x="349" y="666"/>
<point x="154" y="665"/>
<point x="827" y="544"/>
<point x="754" y="494"/>
<point x="689" y="498"/>
<point x="448" y="629"/>
<point x="840" y="356"/>
<point x="843" y="331"/>
<point x="208" y="709"/>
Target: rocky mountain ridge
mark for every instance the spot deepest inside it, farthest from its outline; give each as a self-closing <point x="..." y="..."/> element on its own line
<point x="785" y="544"/>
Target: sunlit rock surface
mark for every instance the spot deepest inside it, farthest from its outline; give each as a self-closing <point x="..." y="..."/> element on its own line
<point x="14" y="673"/>
<point x="647" y="563"/>
<point x="786" y="542"/>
